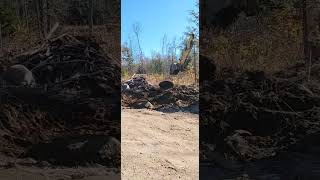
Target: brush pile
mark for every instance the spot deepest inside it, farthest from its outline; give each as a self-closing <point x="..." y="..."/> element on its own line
<point x="141" y="94"/>
<point x="77" y="92"/>
<point x="251" y="116"/>
<point x="74" y="63"/>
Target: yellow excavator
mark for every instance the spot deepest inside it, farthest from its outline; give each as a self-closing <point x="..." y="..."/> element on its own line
<point x="184" y="60"/>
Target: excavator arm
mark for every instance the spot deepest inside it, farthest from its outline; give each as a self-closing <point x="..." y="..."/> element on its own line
<point x="184" y="60"/>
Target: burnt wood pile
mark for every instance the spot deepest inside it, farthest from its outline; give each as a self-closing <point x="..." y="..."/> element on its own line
<point x="251" y="116"/>
<point x="70" y="69"/>
<point x="77" y="92"/>
<point x="166" y="97"/>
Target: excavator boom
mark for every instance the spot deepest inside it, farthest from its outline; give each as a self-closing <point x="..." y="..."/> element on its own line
<point x="184" y="60"/>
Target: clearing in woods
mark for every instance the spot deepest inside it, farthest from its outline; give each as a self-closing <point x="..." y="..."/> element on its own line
<point x="157" y="145"/>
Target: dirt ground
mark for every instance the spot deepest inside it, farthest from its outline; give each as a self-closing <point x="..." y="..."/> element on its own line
<point x="36" y="173"/>
<point x="155" y="145"/>
<point x="158" y="145"/>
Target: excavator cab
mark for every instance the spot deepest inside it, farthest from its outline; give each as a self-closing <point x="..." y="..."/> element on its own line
<point x="175" y="68"/>
<point x="141" y="70"/>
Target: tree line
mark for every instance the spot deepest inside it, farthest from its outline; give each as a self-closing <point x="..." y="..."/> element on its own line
<point x="39" y="16"/>
<point x="133" y="58"/>
<point x="157" y="62"/>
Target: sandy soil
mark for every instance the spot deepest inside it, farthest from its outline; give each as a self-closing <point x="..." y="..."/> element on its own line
<point x="159" y="145"/>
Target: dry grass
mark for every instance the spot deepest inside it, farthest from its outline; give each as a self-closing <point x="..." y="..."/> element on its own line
<point x="184" y="78"/>
<point x="19" y="42"/>
<point x="16" y="44"/>
<point x="270" y="44"/>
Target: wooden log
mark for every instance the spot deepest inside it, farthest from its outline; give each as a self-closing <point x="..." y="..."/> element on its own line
<point x="54" y="29"/>
<point x="1" y="42"/>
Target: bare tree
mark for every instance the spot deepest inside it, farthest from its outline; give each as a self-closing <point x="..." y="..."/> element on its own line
<point x="164" y="52"/>
<point x="195" y="64"/>
<point x="38" y="18"/>
<point x="173" y="49"/>
<point x="127" y="56"/>
<point x="39" y="6"/>
<point x="1" y="43"/>
<point x="25" y="5"/>
<point x="164" y="44"/>
<point x="305" y="30"/>
<point x="194" y="21"/>
<point x="48" y="19"/>
<point x="17" y="5"/>
<point x="137" y="30"/>
<point x="91" y="16"/>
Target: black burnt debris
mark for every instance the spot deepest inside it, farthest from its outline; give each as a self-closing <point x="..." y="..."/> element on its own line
<point x="250" y="119"/>
<point x="77" y="93"/>
<point x="78" y="150"/>
<point x="166" y="97"/>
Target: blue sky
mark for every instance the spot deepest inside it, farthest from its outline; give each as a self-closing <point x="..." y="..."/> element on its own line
<point x="157" y="18"/>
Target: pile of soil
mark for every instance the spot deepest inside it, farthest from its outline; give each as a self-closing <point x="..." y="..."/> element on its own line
<point x="77" y="94"/>
<point x="141" y="94"/>
<point x="251" y="116"/>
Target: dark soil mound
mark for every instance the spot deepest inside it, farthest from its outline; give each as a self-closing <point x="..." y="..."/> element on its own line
<point x="78" y="150"/>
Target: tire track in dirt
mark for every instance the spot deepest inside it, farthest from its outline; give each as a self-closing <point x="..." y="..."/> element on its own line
<point x="159" y="145"/>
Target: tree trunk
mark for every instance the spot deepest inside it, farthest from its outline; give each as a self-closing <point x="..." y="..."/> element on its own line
<point x="44" y="18"/>
<point x="140" y="50"/>
<point x="195" y="65"/>
<point x="305" y="31"/>
<point x="91" y="16"/>
<point x="26" y="15"/>
<point x="48" y="16"/>
<point x="1" y="43"/>
<point x="18" y="11"/>
<point x="39" y="18"/>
